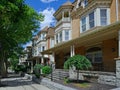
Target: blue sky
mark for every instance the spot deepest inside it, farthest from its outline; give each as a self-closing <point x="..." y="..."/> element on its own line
<point x="47" y="8"/>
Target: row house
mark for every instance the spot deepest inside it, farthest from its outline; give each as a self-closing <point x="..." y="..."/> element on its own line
<point x="41" y="42"/>
<point x="90" y="28"/>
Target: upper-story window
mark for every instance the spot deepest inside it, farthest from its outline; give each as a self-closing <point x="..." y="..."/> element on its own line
<point x="43" y="48"/>
<point x="103" y="17"/>
<point x="83" y="24"/>
<point x="66" y="35"/>
<point x="43" y="36"/>
<point x="57" y="38"/>
<point x="60" y="36"/>
<point x="85" y="3"/>
<point x="98" y="17"/>
<point x="91" y="20"/>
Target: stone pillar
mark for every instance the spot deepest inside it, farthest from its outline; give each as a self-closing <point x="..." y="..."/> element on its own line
<point x="118" y="72"/>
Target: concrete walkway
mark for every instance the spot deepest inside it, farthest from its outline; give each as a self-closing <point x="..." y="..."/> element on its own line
<point x="21" y="84"/>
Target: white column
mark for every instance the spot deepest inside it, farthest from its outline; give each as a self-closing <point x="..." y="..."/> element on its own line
<point x="62" y="15"/>
<point x="69" y="14"/>
<point x="42" y="59"/>
<point x="53" y="57"/>
<point x="31" y="66"/>
<point x="117" y="10"/>
<point x="72" y="51"/>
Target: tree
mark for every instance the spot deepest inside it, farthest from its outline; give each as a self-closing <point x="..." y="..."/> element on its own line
<point x="18" y="22"/>
<point x="79" y="62"/>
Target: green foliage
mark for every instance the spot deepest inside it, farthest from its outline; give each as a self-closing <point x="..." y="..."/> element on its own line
<point x="19" y="68"/>
<point x="78" y="61"/>
<point x="37" y="70"/>
<point x="66" y="80"/>
<point x="46" y="70"/>
<point x="18" y="22"/>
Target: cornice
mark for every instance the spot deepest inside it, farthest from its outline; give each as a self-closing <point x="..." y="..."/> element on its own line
<point x="92" y="5"/>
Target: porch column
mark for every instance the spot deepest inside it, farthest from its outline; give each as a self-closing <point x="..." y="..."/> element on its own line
<point x="42" y="59"/>
<point x="53" y="60"/>
<point x="72" y="53"/>
<point x="31" y="66"/>
<point x="53" y="57"/>
<point x="69" y="14"/>
<point x="62" y="15"/>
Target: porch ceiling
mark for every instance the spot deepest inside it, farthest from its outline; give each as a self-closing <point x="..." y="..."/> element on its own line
<point x="92" y="36"/>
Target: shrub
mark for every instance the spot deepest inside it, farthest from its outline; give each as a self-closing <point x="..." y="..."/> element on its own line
<point x="46" y="70"/>
<point x="37" y="70"/>
<point x="21" y="68"/>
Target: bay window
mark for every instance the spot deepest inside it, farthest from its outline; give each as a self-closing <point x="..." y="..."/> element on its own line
<point x="60" y="36"/>
<point x="66" y="35"/>
<point x="84" y="24"/>
<point x="91" y="20"/>
<point x="98" y="17"/>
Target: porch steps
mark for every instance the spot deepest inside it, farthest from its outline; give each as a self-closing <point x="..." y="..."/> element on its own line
<point x="59" y="74"/>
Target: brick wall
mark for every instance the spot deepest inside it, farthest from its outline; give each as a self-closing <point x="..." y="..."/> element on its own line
<point x="110" y="51"/>
<point x="75" y="28"/>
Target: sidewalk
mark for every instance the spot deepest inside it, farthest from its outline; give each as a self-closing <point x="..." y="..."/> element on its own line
<point x="21" y="83"/>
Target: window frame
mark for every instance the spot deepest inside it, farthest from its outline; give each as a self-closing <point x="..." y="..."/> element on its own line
<point x="67" y="36"/>
<point x="103" y="18"/>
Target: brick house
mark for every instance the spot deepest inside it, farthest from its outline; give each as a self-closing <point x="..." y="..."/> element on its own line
<point x="90" y="28"/>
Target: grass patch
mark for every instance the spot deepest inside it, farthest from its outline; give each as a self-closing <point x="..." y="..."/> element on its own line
<point x="82" y="85"/>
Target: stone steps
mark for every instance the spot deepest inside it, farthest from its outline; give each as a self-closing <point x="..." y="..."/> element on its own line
<point x="58" y="74"/>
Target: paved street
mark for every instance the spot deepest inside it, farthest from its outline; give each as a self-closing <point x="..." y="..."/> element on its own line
<point x="21" y="84"/>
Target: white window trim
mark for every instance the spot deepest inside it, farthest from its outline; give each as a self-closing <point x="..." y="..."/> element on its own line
<point x="97" y="21"/>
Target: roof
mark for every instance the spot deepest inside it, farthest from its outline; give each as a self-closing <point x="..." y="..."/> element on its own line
<point x="67" y="3"/>
<point x="45" y="29"/>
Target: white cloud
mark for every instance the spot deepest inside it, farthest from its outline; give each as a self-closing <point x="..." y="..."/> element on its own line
<point x="27" y="44"/>
<point x="47" y="1"/>
<point x="49" y="18"/>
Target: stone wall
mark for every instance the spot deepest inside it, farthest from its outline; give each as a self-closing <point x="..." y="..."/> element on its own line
<point x="107" y="79"/>
<point x="101" y="77"/>
<point x="118" y="73"/>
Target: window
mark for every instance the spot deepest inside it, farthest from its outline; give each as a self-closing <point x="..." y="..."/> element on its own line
<point x="66" y="35"/>
<point x="94" y="55"/>
<point x="85" y="3"/>
<point x="60" y="36"/>
<point x="57" y="38"/>
<point x="91" y="20"/>
<point x="43" y="48"/>
<point x="103" y="17"/>
<point x="83" y="24"/>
